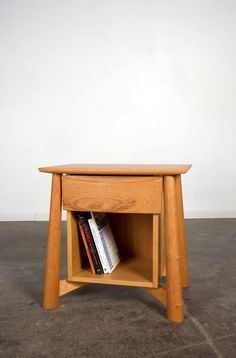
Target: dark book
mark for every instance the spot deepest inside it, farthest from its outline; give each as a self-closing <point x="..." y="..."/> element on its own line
<point x="83" y="220"/>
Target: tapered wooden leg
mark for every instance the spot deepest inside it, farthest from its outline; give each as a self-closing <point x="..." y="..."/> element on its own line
<point x="162" y="239"/>
<point x="175" y="310"/>
<point x="52" y="273"/>
<point x="181" y="232"/>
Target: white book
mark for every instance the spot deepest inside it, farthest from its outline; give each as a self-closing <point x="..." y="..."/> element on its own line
<point x="99" y="245"/>
<point x="107" y="239"/>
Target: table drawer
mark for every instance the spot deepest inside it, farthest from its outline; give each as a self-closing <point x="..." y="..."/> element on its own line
<point x="120" y="194"/>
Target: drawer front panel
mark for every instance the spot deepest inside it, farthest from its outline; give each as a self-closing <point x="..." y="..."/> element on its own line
<point x="121" y="194"/>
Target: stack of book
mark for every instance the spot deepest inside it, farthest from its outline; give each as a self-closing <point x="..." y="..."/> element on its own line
<point x="98" y="241"/>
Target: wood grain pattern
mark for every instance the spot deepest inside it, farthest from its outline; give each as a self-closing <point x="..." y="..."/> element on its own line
<point x="118" y="169"/>
<point x="52" y="272"/>
<point x="181" y="234"/>
<point x="175" y="311"/>
<point x="112" y="194"/>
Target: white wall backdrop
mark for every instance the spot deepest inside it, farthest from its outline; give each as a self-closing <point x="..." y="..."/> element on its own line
<point x="117" y="81"/>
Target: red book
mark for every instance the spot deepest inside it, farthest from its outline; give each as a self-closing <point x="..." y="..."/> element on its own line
<point x="86" y="246"/>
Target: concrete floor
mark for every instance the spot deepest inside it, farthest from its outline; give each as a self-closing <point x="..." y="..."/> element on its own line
<point x="115" y="321"/>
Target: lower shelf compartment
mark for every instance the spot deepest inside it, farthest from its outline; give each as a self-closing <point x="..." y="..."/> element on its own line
<point x="129" y="272"/>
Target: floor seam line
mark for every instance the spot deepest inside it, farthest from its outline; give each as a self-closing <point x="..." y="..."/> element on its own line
<point x="225" y="336"/>
<point x="201" y="329"/>
<point x="184" y="347"/>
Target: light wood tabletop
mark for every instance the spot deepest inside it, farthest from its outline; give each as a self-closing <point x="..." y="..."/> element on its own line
<point x="118" y="169"/>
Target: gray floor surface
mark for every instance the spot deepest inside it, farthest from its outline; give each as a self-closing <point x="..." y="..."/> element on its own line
<point x="115" y="321"/>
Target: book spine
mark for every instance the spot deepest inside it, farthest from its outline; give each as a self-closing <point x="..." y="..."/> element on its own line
<point x="86" y="247"/>
<point x="99" y="245"/>
<point x="107" y="239"/>
<point x="92" y="248"/>
<point x="106" y="251"/>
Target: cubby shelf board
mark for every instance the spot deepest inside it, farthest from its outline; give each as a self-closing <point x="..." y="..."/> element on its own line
<point x="129" y="272"/>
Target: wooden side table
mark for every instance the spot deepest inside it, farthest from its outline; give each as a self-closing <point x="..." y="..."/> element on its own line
<point x="145" y="208"/>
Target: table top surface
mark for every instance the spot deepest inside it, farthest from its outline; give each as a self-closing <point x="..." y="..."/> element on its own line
<point x="118" y="169"/>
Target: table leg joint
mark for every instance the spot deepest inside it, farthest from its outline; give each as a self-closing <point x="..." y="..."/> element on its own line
<point x="67" y="286"/>
<point x="159" y="293"/>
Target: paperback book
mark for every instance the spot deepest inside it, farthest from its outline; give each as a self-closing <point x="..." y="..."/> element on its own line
<point x="99" y="242"/>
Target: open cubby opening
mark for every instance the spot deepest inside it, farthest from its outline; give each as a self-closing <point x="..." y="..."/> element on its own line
<point x="134" y="237"/>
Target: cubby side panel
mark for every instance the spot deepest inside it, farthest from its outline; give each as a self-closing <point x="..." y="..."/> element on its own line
<point x="76" y="255"/>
